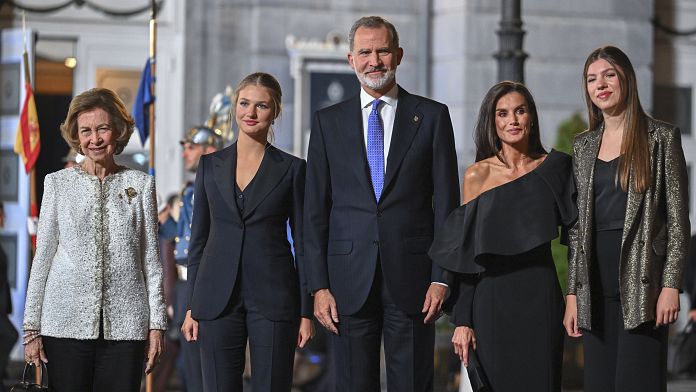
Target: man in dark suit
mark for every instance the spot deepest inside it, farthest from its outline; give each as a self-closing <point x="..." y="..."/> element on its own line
<point x="381" y="178"/>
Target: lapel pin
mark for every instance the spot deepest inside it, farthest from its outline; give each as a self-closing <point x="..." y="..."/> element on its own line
<point x="416" y="118"/>
<point x="131" y="193"/>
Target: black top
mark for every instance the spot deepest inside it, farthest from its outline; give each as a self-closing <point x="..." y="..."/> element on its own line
<point x="609" y="199"/>
<point x="510" y="219"/>
<point x="241" y="196"/>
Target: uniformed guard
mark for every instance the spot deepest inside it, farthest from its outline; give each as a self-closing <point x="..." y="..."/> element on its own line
<point x="198" y="141"/>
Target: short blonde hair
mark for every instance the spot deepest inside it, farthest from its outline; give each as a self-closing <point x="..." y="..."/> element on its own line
<point x="122" y="123"/>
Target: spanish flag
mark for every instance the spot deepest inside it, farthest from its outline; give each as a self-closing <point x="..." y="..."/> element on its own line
<point x="28" y="143"/>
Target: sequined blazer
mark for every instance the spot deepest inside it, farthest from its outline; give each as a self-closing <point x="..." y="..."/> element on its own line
<point x="656" y="227"/>
<point x="97" y="256"/>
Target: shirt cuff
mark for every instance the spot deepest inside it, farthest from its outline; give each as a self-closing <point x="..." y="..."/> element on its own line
<point x="440" y="283"/>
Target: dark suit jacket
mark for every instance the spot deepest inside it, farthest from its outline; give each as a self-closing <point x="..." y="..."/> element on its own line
<point x="222" y="238"/>
<point x="655" y="233"/>
<point x="346" y="228"/>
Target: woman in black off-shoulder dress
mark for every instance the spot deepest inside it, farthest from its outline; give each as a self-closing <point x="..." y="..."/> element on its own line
<point x="509" y="304"/>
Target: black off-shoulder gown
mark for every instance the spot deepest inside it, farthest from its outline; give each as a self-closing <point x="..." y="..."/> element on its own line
<point x="498" y="246"/>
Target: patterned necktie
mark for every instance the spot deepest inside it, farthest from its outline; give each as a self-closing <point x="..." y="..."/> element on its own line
<point x="375" y="148"/>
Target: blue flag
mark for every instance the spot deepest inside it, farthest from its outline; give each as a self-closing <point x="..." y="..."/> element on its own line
<point x="141" y="109"/>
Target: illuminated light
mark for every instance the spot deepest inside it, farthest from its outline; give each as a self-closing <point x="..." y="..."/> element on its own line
<point x="70" y="62"/>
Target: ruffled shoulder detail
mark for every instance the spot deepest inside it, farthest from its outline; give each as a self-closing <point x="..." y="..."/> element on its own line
<point x="558" y="176"/>
<point x="508" y="220"/>
<point x="452" y="247"/>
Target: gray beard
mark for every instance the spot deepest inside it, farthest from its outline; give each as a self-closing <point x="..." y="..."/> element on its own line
<point x="377" y="84"/>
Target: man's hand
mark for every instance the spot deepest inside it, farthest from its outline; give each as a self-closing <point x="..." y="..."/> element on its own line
<point x="433" y="302"/>
<point x="325" y="310"/>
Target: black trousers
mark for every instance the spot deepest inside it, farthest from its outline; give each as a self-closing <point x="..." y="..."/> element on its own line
<point x="223" y="345"/>
<point x="97" y="365"/>
<point x="617" y="360"/>
<point x="408" y="346"/>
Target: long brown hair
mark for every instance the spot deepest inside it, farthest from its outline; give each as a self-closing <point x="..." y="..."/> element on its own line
<point x="635" y="150"/>
<point x="485" y="135"/>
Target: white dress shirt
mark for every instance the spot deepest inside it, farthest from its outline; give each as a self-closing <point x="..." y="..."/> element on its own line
<point x="387" y="111"/>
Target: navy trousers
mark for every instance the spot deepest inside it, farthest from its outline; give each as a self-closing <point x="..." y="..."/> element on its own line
<point x="223" y="346"/>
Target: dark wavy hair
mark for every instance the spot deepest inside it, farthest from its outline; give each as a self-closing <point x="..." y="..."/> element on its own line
<point x="485" y="134"/>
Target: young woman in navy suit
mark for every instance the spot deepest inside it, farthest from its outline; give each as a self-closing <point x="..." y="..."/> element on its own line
<point x="244" y="281"/>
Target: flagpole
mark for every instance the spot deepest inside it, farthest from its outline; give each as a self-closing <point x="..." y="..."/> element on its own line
<point x="153" y="73"/>
<point x="33" y="208"/>
<point x="149" y="380"/>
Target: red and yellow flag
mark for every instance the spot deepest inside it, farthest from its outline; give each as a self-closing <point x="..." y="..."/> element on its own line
<point x="28" y="143"/>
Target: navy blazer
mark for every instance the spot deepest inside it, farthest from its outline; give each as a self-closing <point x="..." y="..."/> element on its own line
<point x="346" y="228"/>
<point x="222" y="238"/>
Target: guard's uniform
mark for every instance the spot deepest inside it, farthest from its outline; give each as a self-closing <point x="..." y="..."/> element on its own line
<point x="190" y="369"/>
<point x="190" y="354"/>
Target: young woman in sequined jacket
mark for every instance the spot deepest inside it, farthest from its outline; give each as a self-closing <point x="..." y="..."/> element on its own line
<point x="628" y="248"/>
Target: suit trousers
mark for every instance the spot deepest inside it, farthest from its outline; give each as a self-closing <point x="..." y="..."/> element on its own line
<point x="223" y="345"/>
<point x="408" y="346"/>
<point x="617" y="360"/>
<point x="94" y="365"/>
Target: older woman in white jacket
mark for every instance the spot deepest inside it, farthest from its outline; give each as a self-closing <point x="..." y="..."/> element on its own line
<point x="94" y="305"/>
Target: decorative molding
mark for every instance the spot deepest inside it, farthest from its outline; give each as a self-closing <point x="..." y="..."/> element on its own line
<point x="333" y="49"/>
<point x="309" y="56"/>
<point x="90" y="4"/>
<point x="9" y="169"/>
<point x="10" y="88"/>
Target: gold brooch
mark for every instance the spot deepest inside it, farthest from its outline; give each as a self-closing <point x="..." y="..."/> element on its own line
<point x="131" y="193"/>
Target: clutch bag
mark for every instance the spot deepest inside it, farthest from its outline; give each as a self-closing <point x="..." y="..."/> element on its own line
<point x="477" y="377"/>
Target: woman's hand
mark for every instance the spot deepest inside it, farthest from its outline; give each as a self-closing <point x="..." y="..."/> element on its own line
<point x="190" y="328"/>
<point x="667" y="306"/>
<point x="155" y="344"/>
<point x="570" y="320"/>
<point x="461" y="339"/>
<point x="306" y="332"/>
<point x="34" y="352"/>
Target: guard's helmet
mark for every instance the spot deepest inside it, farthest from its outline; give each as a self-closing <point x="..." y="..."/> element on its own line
<point x="204" y="136"/>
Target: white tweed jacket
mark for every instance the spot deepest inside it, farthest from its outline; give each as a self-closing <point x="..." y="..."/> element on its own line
<point x="97" y="257"/>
